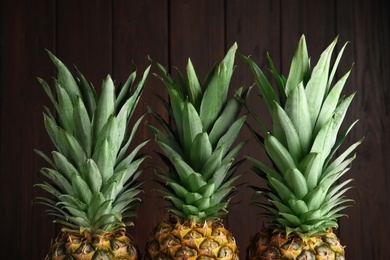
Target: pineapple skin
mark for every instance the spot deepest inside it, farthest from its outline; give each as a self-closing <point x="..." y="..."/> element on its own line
<point x="269" y="244"/>
<point x="178" y="239"/>
<point x="108" y="245"/>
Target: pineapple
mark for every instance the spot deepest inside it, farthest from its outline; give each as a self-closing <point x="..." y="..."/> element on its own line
<point x="305" y="194"/>
<point x="198" y="183"/>
<point x="94" y="182"/>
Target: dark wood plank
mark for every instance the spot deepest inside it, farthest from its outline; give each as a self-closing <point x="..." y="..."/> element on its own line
<point x="104" y="36"/>
<point x="366" y="25"/>
<point x="26" y="30"/>
<point x="197" y="32"/>
<point x="140" y="29"/>
<point x="254" y="25"/>
<point x="316" y="20"/>
<point x="84" y="37"/>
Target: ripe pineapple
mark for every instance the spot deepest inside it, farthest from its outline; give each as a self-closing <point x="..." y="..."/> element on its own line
<point x="304" y="194"/>
<point x="199" y="181"/>
<point x="94" y="182"/>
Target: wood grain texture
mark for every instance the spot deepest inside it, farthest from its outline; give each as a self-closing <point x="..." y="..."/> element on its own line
<point x="254" y="25"/>
<point x="84" y="37"/>
<point x="316" y="20"/>
<point x="196" y="31"/>
<point x="106" y="36"/>
<point x="24" y="36"/>
<point x="140" y="29"/>
<point x="366" y="25"/>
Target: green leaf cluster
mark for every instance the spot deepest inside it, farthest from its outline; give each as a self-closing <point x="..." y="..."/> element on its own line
<point x="198" y="149"/>
<point x="304" y="191"/>
<point x="93" y="178"/>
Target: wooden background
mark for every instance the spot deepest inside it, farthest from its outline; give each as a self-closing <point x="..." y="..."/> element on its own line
<point x="104" y="36"/>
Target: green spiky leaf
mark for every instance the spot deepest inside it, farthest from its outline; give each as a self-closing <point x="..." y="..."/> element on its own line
<point x="304" y="194"/>
<point x="94" y="184"/>
<point x="214" y="96"/>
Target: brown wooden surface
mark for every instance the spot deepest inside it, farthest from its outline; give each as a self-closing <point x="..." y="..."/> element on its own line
<point x="105" y="37"/>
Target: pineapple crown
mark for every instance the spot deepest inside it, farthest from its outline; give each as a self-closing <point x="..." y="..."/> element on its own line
<point x="93" y="181"/>
<point x="197" y="151"/>
<point x="304" y="193"/>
